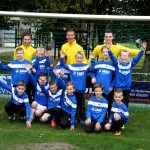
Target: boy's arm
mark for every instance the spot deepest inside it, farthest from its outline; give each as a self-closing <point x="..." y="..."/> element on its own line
<point x="136" y="59"/>
<point x="35" y="62"/>
<point x="45" y="91"/>
<point x="113" y="58"/>
<point x="27" y="105"/>
<point x="4" y="67"/>
<point x="125" y="113"/>
<point x="32" y="79"/>
<point x="5" y="86"/>
<point x="103" y="113"/>
<point x="73" y="112"/>
<point x="62" y="62"/>
<point x="91" y="68"/>
<point x="59" y="79"/>
<point x="88" y="113"/>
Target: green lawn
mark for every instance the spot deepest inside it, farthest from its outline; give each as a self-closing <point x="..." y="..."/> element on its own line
<point x="135" y="136"/>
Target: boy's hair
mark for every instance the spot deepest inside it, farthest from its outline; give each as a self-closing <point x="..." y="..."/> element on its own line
<point x="124" y="51"/>
<point x="19" y="49"/>
<point x="40" y="49"/>
<point x="70" y="83"/>
<point x="80" y="53"/>
<point x="52" y="83"/>
<point x="27" y="34"/>
<point x="118" y="91"/>
<point x="103" y="48"/>
<point x="21" y="83"/>
<point x="99" y="86"/>
<point x="42" y="75"/>
<point x="70" y="30"/>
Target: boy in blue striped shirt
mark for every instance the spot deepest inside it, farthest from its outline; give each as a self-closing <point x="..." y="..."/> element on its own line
<point x="119" y="114"/>
<point x="96" y="111"/>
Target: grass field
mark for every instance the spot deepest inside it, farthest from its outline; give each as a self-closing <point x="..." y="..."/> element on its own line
<point x="135" y="136"/>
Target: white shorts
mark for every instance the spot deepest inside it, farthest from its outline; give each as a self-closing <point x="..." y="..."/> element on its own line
<point x="43" y="108"/>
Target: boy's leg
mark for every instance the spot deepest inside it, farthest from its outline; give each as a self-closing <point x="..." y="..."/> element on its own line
<point x="90" y="127"/>
<point x="30" y="91"/>
<point x="80" y="106"/>
<point x="58" y="114"/>
<point x="65" y="121"/>
<point x="126" y="97"/>
<point x="11" y="109"/>
<point x="22" y="112"/>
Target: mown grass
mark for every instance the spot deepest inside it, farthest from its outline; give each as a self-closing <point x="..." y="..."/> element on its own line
<point x="135" y="136"/>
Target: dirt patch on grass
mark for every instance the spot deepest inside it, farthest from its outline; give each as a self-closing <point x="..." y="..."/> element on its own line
<point x="48" y="146"/>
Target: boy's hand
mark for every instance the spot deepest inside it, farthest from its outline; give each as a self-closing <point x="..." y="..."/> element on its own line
<point x="27" y="67"/>
<point x="62" y="55"/>
<point x="62" y="72"/>
<point x="46" y="53"/>
<point x="72" y="128"/>
<point x="93" y="80"/>
<point x="97" y="126"/>
<point x="144" y="45"/>
<point x="108" y="46"/>
<point x="92" y="55"/>
<point x="88" y="121"/>
<point x="56" y="73"/>
<point x="34" y="70"/>
<point x="28" y="124"/>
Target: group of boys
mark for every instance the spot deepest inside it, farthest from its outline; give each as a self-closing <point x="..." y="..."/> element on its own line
<point x="106" y="75"/>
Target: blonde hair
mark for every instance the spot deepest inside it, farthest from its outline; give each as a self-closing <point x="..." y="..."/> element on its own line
<point x="21" y="83"/>
<point x="19" y="49"/>
<point x="118" y="91"/>
<point x="40" y="49"/>
<point x="80" y="53"/>
<point x="70" y="83"/>
<point x="124" y="50"/>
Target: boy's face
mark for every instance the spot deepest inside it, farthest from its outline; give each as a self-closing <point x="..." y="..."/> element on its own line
<point x="79" y="58"/>
<point x="20" y="90"/>
<point x="19" y="55"/>
<point x="53" y="88"/>
<point x="42" y="80"/>
<point x="118" y="98"/>
<point x="40" y="53"/>
<point x="98" y="92"/>
<point x="105" y="53"/>
<point x="108" y="38"/>
<point x="70" y="90"/>
<point x="70" y="36"/>
<point x="124" y="56"/>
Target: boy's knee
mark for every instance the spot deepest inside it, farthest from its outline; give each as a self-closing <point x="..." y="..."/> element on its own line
<point x="107" y="126"/>
<point x="45" y="117"/>
<point x="34" y="105"/>
<point x="116" y="117"/>
<point x="38" y="113"/>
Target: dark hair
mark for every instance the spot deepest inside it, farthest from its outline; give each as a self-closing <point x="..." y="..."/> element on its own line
<point x="99" y="86"/>
<point x="103" y="48"/>
<point x="27" y="34"/>
<point x="21" y="83"/>
<point x="80" y="53"/>
<point x="108" y="31"/>
<point x="70" y="30"/>
<point x="52" y="83"/>
<point x="42" y="74"/>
